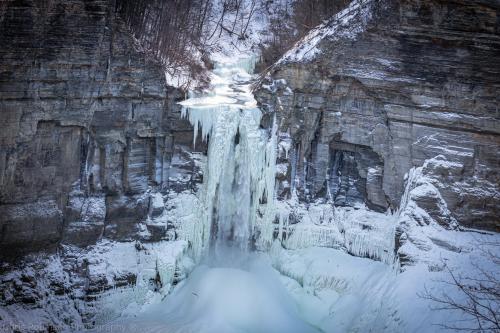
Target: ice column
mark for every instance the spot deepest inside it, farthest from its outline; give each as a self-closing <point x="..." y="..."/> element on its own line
<point x="240" y="171"/>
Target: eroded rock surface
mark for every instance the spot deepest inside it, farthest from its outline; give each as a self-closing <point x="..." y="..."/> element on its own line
<point x="383" y="87"/>
<point x="89" y="127"/>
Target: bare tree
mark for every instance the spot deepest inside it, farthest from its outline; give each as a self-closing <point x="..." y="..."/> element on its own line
<point x="295" y="19"/>
<point x="477" y="297"/>
<point x="253" y="7"/>
<point x="310" y="13"/>
<point x="170" y="30"/>
<point x="178" y="31"/>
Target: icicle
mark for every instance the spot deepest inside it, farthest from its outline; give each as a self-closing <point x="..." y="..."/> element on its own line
<point x="240" y="168"/>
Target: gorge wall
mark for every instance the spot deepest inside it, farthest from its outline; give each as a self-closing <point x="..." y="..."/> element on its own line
<point x="384" y="87"/>
<point x="93" y="148"/>
<point x="89" y="129"/>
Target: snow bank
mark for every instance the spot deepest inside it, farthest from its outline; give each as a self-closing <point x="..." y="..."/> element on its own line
<point x="212" y="300"/>
<point x="341" y="293"/>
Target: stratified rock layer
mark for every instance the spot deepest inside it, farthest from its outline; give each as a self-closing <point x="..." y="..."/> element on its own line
<point x="88" y="126"/>
<point x="383" y="87"/>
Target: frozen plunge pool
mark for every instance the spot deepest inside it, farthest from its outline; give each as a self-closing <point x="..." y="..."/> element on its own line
<point x="251" y="298"/>
<point x="305" y="290"/>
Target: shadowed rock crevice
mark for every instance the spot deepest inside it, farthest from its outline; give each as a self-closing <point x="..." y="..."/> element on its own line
<point x="355" y="176"/>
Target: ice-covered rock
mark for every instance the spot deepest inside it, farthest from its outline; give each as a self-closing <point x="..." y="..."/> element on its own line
<point x="424" y="220"/>
<point x="156" y="205"/>
<point x="84" y="219"/>
<point x="358" y="231"/>
<point x="379" y="89"/>
<point x="83" y="288"/>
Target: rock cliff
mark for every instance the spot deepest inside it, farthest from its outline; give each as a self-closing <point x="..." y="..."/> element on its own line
<point x="89" y="128"/>
<point x="383" y="87"/>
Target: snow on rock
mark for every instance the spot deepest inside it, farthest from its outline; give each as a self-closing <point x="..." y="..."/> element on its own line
<point x="35" y="297"/>
<point x="426" y="227"/>
<point x="147" y="271"/>
<point x="346" y="24"/>
<point x="156" y="204"/>
<point x="420" y="231"/>
<point x="79" y="288"/>
<point x="85" y="217"/>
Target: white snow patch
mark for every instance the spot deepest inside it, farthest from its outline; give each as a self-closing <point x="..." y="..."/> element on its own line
<point x="348" y="24"/>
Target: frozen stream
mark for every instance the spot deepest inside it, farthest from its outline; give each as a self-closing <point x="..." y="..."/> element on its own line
<point x="239" y="174"/>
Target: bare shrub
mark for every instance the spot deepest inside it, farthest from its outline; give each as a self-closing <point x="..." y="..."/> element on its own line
<point x="477" y="295"/>
<point x="292" y="22"/>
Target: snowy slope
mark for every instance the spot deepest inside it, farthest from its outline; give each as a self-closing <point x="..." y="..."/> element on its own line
<point x="342" y="293"/>
<point x="347" y="24"/>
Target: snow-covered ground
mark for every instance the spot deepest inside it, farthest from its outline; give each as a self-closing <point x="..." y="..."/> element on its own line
<point x="342" y="293"/>
<point x="246" y="297"/>
<point x="311" y="289"/>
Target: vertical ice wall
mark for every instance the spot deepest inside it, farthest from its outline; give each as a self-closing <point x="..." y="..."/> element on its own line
<point x="237" y="207"/>
<point x="239" y="174"/>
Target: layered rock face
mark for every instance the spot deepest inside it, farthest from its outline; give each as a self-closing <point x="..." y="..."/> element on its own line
<point x="380" y="89"/>
<point x="89" y="129"/>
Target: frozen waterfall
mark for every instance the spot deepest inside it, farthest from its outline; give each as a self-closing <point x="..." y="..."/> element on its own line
<point x="239" y="173"/>
<point x="233" y="289"/>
